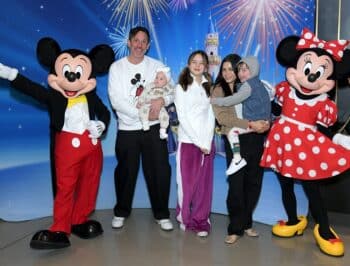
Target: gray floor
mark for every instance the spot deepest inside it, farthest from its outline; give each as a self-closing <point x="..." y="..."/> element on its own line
<point x="141" y="242"/>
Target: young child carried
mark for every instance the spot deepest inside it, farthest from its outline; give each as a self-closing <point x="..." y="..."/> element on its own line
<point x="160" y="87"/>
<point x="255" y="101"/>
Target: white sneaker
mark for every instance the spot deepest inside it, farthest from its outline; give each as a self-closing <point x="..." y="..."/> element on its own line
<point x="235" y="166"/>
<point x="165" y="224"/>
<point x="117" y="222"/>
<point x="202" y="233"/>
<point x="162" y="133"/>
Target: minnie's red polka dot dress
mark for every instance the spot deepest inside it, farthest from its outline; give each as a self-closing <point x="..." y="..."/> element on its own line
<point x="294" y="147"/>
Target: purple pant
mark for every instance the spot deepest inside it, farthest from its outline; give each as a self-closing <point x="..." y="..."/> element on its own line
<point x="194" y="177"/>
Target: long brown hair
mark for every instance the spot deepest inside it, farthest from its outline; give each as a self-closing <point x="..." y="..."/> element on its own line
<point x="220" y="81"/>
<point x="185" y="78"/>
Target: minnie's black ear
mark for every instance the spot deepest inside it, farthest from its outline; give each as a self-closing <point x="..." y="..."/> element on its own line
<point x="286" y="53"/>
<point x="343" y="67"/>
<point x="102" y="56"/>
<point x="47" y="51"/>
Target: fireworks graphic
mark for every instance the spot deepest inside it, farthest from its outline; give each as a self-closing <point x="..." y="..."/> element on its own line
<point x="177" y="5"/>
<point x="136" y="12"/>
<point x="120" y="41"/>
<point x="255" y="26"/>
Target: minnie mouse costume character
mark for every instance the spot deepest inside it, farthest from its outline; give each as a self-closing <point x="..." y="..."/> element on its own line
<point x="297" y="146"/>
<point x="73" y="106"/>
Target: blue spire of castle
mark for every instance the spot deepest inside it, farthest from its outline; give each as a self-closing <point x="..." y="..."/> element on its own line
<point x="211" y="28"/>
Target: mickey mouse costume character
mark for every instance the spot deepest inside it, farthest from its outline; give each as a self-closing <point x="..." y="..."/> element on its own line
<point x="299" y="145"/>
<point x="73" y="106"/>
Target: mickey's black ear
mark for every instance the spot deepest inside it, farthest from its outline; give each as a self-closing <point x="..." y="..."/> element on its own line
<point x="343" y="67"/>
<point x="47" y="51"/>
<point x="102" y="56"/>
<point x="286" y="52"/>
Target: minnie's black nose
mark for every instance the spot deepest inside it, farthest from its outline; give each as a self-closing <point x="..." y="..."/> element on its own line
<point x="312" y="77"/>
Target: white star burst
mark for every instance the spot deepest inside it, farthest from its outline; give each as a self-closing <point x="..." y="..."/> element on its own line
<point x="120" y="41"/>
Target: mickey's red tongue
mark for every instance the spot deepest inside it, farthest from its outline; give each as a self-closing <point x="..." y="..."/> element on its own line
<point x="70" y="93"/>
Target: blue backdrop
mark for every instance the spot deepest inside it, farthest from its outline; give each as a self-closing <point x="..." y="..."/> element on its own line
<point x="177" y="28"/>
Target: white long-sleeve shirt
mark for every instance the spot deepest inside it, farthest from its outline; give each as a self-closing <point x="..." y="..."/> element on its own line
<point x="122" y="92"/>
<point x="195" y="115"/>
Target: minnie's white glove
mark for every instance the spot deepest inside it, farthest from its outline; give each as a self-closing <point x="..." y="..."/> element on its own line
<point x="95" y="128"/>
<point x="8" y="72"/>
<point x="342" y="140"/>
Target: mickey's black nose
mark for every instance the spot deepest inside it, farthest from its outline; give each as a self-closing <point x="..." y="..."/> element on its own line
<point x="71" y="76"/>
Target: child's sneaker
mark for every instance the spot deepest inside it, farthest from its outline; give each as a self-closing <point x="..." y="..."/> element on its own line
<point x="235" y="166"/>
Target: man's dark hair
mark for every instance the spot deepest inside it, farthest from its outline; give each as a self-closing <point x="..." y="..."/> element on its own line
<point x="135" y="30"/>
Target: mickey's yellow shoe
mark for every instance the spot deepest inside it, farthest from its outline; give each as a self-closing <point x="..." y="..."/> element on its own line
<point x="281" y="229"/>
<point x="332" y="247"/>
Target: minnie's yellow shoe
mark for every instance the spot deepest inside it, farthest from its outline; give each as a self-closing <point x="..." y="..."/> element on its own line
<point x="332" y="247"/>
<point x="281" y="229"/>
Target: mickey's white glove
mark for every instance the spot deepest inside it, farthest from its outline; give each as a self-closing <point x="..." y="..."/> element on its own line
<point x="95" y="128"/>
<point x="342" y="140"/>
<point x="8" y="72"/>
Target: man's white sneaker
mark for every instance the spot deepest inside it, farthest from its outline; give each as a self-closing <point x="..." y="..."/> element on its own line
<point x="117" y="222"/>
<point x="235" y="166"/>
<point x="202" y="233"/>
<point x="165" y="224"/>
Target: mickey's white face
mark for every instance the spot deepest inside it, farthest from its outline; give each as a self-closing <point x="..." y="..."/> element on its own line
<point x="72" y="75"/>
<point x="311" y="74"/>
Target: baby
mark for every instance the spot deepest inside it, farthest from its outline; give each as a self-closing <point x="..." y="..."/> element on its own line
<point x="160" y="87"/>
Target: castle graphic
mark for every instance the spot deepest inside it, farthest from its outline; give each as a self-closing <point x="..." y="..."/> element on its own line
<point x="212" y="49"/>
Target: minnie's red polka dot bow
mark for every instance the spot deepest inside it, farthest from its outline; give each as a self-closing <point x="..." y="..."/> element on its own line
<point x="335" y="48"/>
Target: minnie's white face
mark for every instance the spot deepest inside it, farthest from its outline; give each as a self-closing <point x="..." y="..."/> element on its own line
<point x="310" y="77"/>
<point x="72" y="75"/>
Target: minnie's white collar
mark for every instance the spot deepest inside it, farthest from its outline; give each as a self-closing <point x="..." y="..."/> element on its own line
<point x="310" y="102"/>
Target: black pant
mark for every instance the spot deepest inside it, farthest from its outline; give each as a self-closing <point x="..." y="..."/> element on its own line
<point x="244" y="186"/>
<point x="313" y="193"/>
<point x="131" y="146"/>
